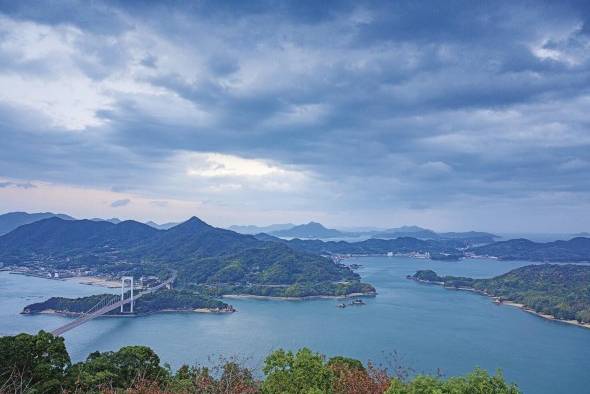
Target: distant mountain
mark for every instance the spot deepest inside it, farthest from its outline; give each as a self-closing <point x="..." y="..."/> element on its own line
<point x="309" y="230"/>
<point x="250" y="229"/>
<point x="163" y="226"/>
<point x="205" y="257"/>
<point x="56" y="237"/>
<point x="111" y="220"/>
<point x="407" y="231"/>
<point x="574" y="250"/>
<point x="473" y="237"/>
<point x="12" y="220"/>
<point x="372" y="246"/>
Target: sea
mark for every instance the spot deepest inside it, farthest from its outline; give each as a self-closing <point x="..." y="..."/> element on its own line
<point x="408" y="326"/>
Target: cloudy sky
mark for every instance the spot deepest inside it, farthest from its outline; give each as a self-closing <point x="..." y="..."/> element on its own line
<point x="452" y="115"/>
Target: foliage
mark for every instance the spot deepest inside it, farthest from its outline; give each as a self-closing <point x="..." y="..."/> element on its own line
<point x="303" y="289"/>
<point x="232" y="378"/>
<point x="200" y="253"/>
<point x="40" y="364"/>
<point x="574" y="250"/>
<point x="158" y="301"/>
<point x="560" y="290"/>
<point x="32" y="363"/>
<point x="351" y="377"/>
<point x="117" y="370"/>
<point x="295" y="373"/>
<point x="477" y="382"/>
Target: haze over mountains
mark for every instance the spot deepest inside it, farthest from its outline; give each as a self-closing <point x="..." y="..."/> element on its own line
<point x="314" y="230"/>
<point x="12" y="220"/>
<point x="251" y="229"/>
<point x="311" y="230"/>
<point x="204" y="253"/>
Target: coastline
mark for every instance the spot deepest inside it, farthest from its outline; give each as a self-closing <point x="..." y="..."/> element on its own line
<point x="95" y="281"/>
<point x="274" y="298"/>
<point x="544" y="316"/>
<point x="84" y="280"/>
<point x="76" y="315"/>
<point x="523" y="307"/>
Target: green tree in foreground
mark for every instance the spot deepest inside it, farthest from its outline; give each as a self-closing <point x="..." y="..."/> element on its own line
<point x="118" y="369"/>
<point x="35" y="364"/>
<point x="302" y="372"/>
<point x="477" y="382"/>
<point x="32" y="363"/>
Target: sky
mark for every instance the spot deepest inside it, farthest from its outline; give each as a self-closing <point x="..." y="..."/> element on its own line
<point x="451" y="115"/>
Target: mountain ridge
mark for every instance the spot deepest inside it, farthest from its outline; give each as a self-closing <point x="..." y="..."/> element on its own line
<point x="11" y="220"/>
<point x="309" y="230"/>
<point x="204" y="256"/>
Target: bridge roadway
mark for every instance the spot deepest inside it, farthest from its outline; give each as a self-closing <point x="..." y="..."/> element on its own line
<point x="99" y="312"/>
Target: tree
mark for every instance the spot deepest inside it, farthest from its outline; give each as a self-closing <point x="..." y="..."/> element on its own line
<point x="302" y="372"/>
<point x="33" y="363"/>
<point x="118" y="369"/>
<point x="341" y="361"/>
<point x="351" y="377"/>
<point x="233" y="379"/>
<point x="477" y="382"/>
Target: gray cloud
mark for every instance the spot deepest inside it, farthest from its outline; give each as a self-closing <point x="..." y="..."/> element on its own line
<point x="383" y="106"/>
<point x="27" y="185"/>
<point x="120" y="203"/>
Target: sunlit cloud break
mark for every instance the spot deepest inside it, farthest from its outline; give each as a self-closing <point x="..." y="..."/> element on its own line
<point x="380" y="112"/>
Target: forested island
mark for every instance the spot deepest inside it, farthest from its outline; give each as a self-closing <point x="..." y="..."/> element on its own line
<point x="203" y="256"/>
<point x="576" y="250"/>
<point x="559" y="291"/>
<point x="161" y="301"/>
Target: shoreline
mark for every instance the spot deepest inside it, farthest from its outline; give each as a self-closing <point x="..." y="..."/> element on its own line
<point x="95" y="281"/>
<point x="523" y="307"/>
<point x="83" y="280"/>
<point x="544" y="316"/>
<point x="304" y="298"/>
<point x="127" y="315"/>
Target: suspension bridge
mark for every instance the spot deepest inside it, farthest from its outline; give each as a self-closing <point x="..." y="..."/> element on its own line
<point x="113" y="301"/>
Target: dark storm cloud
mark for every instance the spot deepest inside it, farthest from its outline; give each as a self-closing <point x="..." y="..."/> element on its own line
<point x="406" y="104"/>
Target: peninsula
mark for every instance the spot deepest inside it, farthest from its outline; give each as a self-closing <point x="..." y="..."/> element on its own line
<point x="553" y="291"/>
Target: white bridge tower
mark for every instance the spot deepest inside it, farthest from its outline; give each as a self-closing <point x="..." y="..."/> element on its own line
<point x="125" y="280"/>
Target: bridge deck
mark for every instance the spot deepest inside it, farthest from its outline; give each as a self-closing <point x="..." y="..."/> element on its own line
<point x="87" y="317"/>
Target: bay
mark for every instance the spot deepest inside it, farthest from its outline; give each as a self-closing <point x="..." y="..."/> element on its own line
<point x="423" y="327"/>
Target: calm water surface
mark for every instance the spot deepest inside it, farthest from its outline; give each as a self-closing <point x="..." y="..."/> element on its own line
<point x="428" y="327"/>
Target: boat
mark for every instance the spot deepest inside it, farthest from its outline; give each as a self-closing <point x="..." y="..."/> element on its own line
<point x="341" y="305"/>
<point x="357" y="302"/>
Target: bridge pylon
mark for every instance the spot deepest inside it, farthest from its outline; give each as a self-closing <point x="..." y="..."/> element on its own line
<point x="124" y="281"/>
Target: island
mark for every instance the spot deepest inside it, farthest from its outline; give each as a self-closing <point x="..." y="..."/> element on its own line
<point x="161" y="301"/>
<point x="553" y="291"/>
<point x="295" y="291"/>
<point x="576" y="250"/>
<point x="208" y="260"/>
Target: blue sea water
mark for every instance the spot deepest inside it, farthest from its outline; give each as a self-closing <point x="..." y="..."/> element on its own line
<point x="423" y="327"/>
